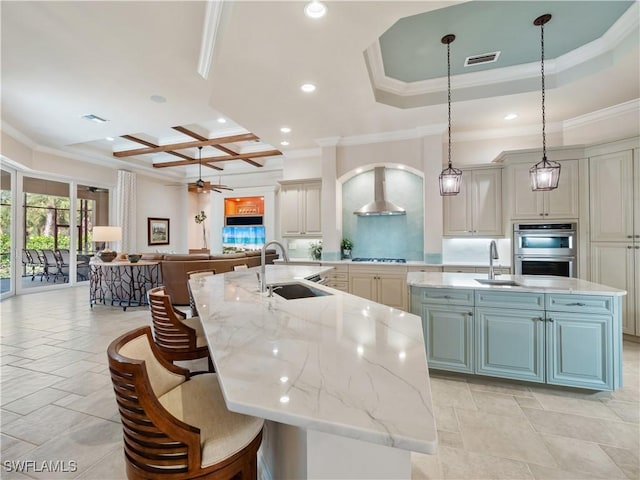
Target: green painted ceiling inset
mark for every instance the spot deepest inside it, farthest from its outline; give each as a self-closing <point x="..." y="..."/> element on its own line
<point x="412" y="51"/>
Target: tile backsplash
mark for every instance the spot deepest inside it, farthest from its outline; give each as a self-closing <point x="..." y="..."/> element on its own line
<point x="475" y="250"/>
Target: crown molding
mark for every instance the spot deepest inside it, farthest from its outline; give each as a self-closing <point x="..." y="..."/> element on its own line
<point x="607" y="113"/>
<point x="210" y="29"/>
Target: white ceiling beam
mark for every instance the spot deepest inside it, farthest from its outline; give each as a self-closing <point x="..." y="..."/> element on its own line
<point x="209" y="33"/>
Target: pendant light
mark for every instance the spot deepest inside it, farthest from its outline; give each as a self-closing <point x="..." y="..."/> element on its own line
<point x="450" y="178"/>
<point x="544" y="174"/>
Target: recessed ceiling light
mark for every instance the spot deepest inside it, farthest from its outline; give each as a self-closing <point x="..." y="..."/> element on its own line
<point x="511" y="116"/>
<point x="284" y="143"/>
<point x="285" y="130"/>
<point x="222" y="120"/>
<point x="158" y="98"/>
<point x="308" y="87"/>
<point x="315" y="9"/>
<point x="94" y="118"/>
<point x="111" y="139"/>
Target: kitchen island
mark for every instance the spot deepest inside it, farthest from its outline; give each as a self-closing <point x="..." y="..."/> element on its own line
<point x="342" y="381"/>
<point x="554" y="330"/>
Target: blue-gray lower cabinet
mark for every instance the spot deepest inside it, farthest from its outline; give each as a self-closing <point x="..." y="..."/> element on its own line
<point x="510" y="343"/>
<point x="579" y="350"/>
<point x="448" y="334"/>
<point x="561" y="339"/>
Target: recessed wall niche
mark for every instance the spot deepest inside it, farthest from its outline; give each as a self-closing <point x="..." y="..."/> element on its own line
<point x="392" y="236"/>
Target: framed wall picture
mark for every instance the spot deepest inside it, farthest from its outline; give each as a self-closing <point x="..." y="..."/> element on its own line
<point x="157" y="231"/>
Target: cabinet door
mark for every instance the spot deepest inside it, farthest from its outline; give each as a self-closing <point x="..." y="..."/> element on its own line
<point x="448" y="337"/>
<point x="392" y="290"/>
<point x="457" y="209"/>
<point x="313" y="209"/>
<point x="613" y="264"/>
<point x="527" y="204"/>
<point x="510" y="343"/>
<point x="579" y="350"/>
<point x="290" y="210"/>
<point x="363" y="285"/>
<point x="611" y="197"/>
<point x="563" y="202"/>
<point x="487" y="202"/>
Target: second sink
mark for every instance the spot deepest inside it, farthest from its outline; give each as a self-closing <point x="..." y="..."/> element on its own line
<point x="291" y="291"/>
<point x="497" y="281"/>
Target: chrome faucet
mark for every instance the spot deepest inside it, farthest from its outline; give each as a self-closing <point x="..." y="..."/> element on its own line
<point x="493" y="255"/>
<point x="262" y="279"/>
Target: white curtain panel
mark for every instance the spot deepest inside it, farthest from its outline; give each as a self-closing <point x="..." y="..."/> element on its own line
<point x="126" y="210"/>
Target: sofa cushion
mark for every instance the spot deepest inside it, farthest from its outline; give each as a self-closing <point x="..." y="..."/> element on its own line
<point x="227" y="256"/>
<point x="199" y="402"/>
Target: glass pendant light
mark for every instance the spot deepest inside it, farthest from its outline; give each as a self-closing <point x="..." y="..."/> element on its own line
<point x="544" y="174"/>
<point x="450" y="178"/>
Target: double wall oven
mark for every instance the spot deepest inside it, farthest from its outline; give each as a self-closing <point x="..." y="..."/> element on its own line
<point x="545" y="249"/>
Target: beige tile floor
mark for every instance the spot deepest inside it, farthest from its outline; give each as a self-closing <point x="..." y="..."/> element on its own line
<point x="57" y="404"/>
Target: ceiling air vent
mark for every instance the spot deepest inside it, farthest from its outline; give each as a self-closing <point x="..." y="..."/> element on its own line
<point x="480" y="59"/>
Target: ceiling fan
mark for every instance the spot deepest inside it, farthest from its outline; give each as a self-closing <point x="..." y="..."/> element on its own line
<point x="200" y="186"/>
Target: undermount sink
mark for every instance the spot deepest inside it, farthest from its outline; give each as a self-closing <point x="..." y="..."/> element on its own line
<point x="497" y="281"/>
<point x="291" y="291"/>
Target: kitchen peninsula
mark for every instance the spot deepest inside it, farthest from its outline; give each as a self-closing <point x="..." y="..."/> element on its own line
<point x="342" y="381"/>
<point x="554" y="330"/>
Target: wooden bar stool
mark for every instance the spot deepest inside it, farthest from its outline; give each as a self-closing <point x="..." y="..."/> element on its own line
<point x="176" y="426"/>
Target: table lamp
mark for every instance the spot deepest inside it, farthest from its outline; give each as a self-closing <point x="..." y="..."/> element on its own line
<point x="106" y="235"/>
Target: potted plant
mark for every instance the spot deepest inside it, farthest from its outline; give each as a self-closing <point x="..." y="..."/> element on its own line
<point x="315" y="249"/>
<point x="200" y="218"/>
<point x="346" y="246"/>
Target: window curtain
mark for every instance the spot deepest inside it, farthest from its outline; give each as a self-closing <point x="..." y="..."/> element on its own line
<point x="126" y="210"/>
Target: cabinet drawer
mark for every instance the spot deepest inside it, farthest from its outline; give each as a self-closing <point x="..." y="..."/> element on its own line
<point x="580" y="303"/>
<point x="518" y="300"/>
<point x="447" y="296"/>
<point x="337" y="268"/>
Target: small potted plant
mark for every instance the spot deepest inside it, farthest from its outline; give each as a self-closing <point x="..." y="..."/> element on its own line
<point x="200" y="218"/>
<point x="346" y="246"/>
<point x="315" y="249"/>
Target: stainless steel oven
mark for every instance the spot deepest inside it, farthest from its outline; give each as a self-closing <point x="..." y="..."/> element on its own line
<point x="545" y="249"/>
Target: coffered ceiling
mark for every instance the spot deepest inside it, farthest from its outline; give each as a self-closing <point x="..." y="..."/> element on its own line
<point x="137" y="64"/>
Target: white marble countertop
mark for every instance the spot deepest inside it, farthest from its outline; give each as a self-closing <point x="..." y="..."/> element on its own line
<point x="527" y="283"/>
<point x="338" y="363"/>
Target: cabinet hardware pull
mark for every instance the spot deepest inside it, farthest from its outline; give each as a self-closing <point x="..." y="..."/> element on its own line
<point x="637" y="236"/>
<point x="576" y="304"/>
<point x="637" y="248"/>
<point x="546" y="214"/>
<point x="542" y="214"/>
<point x="447" y="297"/>
<point x="536" y="319"/>
<point x="630" y="247"/>
<point x="550" y="319"/>
<point x="629" y="236"/>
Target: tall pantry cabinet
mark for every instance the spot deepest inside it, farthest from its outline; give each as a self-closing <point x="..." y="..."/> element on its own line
<point x="614" y="181"/>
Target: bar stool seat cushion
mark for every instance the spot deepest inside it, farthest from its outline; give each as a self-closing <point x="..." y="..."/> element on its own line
<point x="196" y="324"/>
<point x="199" y="402"/>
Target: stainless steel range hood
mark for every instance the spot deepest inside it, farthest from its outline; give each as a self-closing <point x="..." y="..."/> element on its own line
<point x="380" y="205"/>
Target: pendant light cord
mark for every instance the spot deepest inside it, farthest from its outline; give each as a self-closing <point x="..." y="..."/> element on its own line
<point x="544" y="136"/>
<point x="449" y="96"/>
<point x="200" y="163"/>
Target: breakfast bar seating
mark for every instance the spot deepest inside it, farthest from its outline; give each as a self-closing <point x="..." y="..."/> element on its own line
<point x="177" y="337"/>
<point x="175" y="425"/>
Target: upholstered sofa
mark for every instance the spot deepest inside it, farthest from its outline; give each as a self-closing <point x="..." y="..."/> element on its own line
<point x="174" y="268"/>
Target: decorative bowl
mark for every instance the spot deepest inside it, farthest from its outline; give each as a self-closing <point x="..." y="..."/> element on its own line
<point x="106" y="255"/>
<point x="133" y="258"/>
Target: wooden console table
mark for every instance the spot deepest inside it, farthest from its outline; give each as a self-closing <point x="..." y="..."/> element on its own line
<point x="122" y="283"/>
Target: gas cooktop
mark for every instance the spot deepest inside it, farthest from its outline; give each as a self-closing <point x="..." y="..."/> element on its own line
<point x="381" y="260"/>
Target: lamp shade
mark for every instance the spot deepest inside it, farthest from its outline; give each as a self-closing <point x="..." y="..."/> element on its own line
<point x="107" y="234"/>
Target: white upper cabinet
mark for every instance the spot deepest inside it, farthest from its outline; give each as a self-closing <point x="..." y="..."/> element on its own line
<point x="561" y="203"/>
<point x="613" y="197"/>
<point x="300" y="209"/>
<point x="477" y="209"/>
